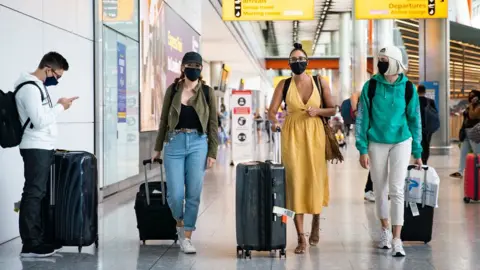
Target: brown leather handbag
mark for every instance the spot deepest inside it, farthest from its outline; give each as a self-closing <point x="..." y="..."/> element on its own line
<point x="332" y="149"/>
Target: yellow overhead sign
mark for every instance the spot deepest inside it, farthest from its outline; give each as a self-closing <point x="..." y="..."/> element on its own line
<point x="401" y="9"/>
<point x="268" y="10"/>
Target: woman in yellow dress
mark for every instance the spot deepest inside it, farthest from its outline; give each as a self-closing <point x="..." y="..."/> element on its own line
<point x="303" y="144"/>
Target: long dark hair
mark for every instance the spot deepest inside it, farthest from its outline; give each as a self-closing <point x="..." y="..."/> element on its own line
<point x="182" y="77"/>
<point x="472" y="94"/>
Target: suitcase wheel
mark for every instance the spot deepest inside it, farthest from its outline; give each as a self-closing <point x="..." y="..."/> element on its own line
<point x="239" y="252"/>
<point x="79" y="249"/>
<point x="144" y="242"/>
<point x="466" y="200"/>
<point x="248" y="254"/>
<point x="96" y="243"/>
<point x="283" y="253"/>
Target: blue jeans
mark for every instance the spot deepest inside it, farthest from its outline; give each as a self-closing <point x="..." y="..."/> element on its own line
<point x="185" y="156"/>
<point x="467" y="146"/>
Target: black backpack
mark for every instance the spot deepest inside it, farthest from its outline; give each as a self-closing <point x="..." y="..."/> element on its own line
<point x="11" y="128"/>
<point x="432" y="119"/>
<point x="372" y="86"/>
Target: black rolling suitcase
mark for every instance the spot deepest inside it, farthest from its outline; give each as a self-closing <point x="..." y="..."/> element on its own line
<point x="260" y="186"/>
<point x="154" y="217"/>
<point x="419" y="227"/>
<point x="71" y="204"/>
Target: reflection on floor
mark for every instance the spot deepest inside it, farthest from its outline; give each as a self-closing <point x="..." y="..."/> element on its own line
<point x="348" y="232"/>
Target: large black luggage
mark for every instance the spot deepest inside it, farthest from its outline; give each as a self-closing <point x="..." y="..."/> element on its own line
<point x="72" y="200"/>
<point x="419" y="227"/>
<point x="154" y="217"/>
<point x="259" y="187"/>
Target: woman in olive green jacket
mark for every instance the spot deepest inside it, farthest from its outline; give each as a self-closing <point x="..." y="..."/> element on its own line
<point x="188" y="136"/>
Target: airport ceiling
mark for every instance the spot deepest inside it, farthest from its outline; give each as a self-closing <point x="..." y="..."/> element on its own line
<point x="280" y="35"/>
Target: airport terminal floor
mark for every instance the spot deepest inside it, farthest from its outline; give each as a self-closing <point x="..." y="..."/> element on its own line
<point x="348" y="231"/>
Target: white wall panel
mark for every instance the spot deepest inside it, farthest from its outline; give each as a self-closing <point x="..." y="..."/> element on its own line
<point x="24" y="41"/>
<point x="76" y="136"/>
<point x="61" y="13"/>
<point x="190" y="11"/>
<point x="23" y="54"/>
<point x="33" y="8"/>
<point x="20" y="56"/>
<point x="78" y="81"/>
<point x="11" y="185"/>
<point x="85" y="18"/>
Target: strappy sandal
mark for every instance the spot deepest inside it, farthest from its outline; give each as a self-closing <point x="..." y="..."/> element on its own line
<point x="302" y="244"/>
<point x="315" y="233"/>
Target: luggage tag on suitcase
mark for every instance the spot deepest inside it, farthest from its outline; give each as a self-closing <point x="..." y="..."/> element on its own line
<point x="283" y="212"/>
<point x="414" y="208"/>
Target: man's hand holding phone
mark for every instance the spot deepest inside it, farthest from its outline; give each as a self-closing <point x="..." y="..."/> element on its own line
<point x="66" y="102"/>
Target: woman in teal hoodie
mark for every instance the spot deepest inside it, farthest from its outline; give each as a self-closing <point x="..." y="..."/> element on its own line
<point x="388" y="131"/>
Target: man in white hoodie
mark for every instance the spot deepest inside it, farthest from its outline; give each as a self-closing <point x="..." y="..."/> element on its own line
<point x="39" y="116"/>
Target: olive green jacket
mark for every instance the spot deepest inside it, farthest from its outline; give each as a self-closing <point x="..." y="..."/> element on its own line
<point x="206" y="110"/>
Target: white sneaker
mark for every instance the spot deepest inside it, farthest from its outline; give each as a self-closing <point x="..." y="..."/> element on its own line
<point x="181" y="234"/>
<point x="369" y="196"/>
<point x="385" y="239"/>
<point x="187" y="247"/>
<point x="398" y="250"/>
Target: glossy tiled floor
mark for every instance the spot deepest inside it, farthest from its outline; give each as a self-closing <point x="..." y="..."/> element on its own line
<point x="348" y="232"/>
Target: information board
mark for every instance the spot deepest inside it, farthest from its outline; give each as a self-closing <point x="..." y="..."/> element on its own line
<point x="242" y="125"/>
<point x="268" y="10"/>
<point x="121" y="83"/>
<point x="401" y="9"/>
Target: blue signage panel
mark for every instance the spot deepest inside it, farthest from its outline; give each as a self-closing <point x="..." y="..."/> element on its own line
<point x="121" y="83"/>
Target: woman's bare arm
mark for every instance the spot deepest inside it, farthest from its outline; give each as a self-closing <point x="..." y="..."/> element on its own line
<point x="276" y="102"/>
<point x="329" y="106"/>
<point x="354" y="99"/>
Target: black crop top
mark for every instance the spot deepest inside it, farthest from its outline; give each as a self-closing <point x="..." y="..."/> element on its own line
<point x="189" y="119"/>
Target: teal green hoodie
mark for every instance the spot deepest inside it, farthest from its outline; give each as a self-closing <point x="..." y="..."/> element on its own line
<point x="392" y="123"/>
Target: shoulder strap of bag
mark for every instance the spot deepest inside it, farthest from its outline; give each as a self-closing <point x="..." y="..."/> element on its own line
<point x="372" y="86"/>
<point x="408" y="93"/>
<point x="286" y="86"/>
<point x="206" y="93"/>
<point x="32" y="83"/>
<point x="25" y="125"/>
<point x="317" y="80"/>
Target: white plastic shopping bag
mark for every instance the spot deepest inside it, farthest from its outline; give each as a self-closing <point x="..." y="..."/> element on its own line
<point x="422" y="186"/>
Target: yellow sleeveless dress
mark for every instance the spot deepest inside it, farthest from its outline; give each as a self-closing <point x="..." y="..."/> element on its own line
<point x="303" y="154"/>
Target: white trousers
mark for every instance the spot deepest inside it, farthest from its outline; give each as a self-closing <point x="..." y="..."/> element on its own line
<point x="388" y="169"/>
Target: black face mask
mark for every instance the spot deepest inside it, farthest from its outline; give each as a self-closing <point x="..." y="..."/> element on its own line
<point x="382" y="67"/>
<point x="192" y="73"/>
<point x="50" y="81"/>
<point x="298" y="67"/>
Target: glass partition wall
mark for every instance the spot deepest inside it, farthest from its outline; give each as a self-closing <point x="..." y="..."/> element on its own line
<point x="117" y="91"/>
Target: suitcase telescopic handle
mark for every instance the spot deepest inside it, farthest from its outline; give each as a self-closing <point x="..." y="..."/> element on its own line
<point x="277" y="146"/>
<point x="149" y="161"/>
<point x="162" y="183"/>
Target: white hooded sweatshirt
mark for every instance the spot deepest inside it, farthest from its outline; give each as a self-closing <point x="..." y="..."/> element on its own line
<point x="42" y="114"/>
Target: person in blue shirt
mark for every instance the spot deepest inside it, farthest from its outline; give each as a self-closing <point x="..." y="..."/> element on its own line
<point x="388" y="131"/>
